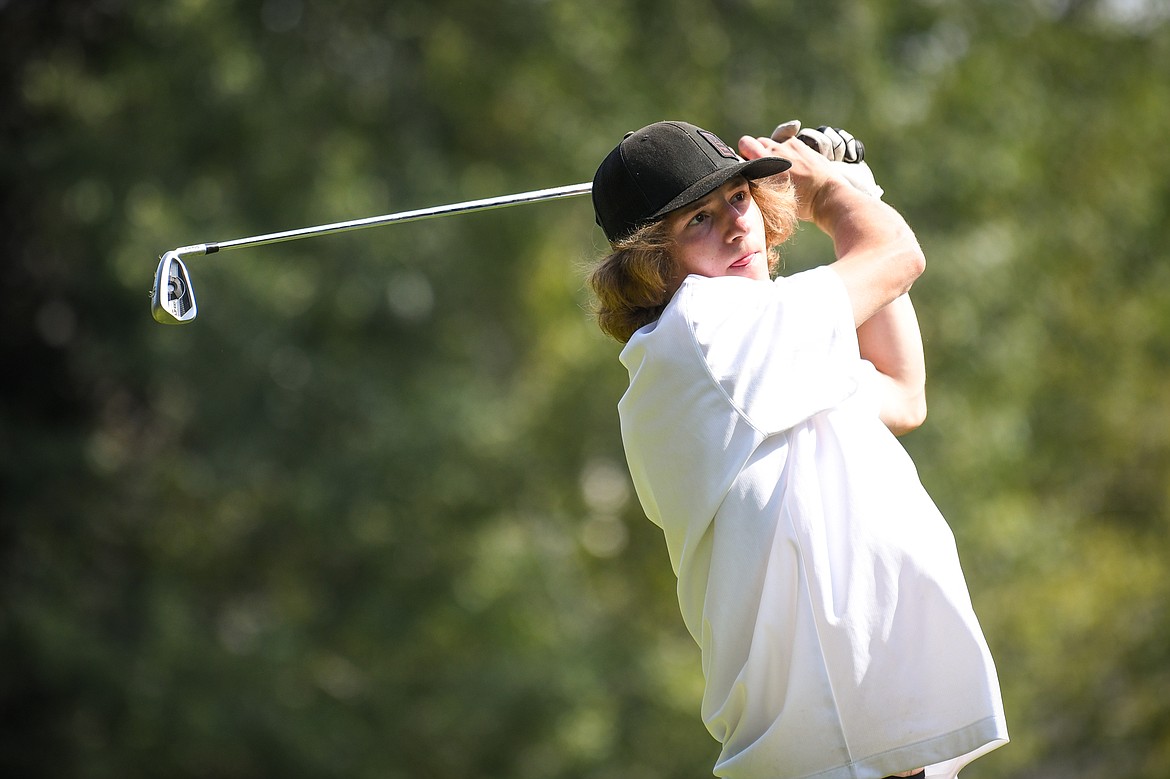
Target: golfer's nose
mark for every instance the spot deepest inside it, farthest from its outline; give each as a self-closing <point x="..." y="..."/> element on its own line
<point x="735" y="222"/>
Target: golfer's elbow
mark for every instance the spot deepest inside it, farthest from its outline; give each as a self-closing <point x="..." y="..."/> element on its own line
<point x="906" y="414"/>
<point x="918" y="262"/>
<point x="912" y="262"/>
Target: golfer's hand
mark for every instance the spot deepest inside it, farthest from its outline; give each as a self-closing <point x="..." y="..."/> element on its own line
<point x="836" y="144"/>
<point x="840" y="147"/>
<point x="813" y="175"/>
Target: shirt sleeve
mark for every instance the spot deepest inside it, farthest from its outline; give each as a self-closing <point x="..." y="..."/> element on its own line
<point x="781" y="352"/>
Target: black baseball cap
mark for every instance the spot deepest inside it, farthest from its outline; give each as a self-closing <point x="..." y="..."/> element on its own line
<point x="662" y="167"/>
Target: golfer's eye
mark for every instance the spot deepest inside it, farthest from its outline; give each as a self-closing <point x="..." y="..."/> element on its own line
<point x="698" y="219"/>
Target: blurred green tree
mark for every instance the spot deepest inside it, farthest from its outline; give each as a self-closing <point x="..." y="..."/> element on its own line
<point x="368" y="515"/>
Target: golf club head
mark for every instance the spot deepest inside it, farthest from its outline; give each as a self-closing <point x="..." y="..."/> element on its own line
<point x="172" y="300"/>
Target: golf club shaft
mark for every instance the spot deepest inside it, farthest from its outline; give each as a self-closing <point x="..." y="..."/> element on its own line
<point x="502" y="201"/>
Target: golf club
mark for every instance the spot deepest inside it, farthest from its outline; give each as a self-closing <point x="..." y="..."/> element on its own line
<point x="172" y="298"/>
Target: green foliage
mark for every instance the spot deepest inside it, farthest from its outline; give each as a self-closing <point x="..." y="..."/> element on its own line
<point x="368" y="515"/>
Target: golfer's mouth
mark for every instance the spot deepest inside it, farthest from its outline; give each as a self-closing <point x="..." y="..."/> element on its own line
<point x="743" y="261"/>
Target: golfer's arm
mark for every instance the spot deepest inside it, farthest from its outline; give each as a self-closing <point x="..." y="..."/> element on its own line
<point x="878" y="259"/>
<point x="892" y="341"/>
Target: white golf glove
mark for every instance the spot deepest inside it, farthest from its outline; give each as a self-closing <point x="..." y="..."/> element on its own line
<point x="843" y="151"/>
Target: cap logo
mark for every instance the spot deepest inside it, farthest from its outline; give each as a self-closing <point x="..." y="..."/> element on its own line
<point x="722" y="148"/>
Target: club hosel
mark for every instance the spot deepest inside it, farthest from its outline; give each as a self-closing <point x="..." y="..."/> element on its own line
<point x="195" y="249"/>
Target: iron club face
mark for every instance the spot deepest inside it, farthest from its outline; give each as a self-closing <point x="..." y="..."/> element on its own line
<point x="172" y="299"/>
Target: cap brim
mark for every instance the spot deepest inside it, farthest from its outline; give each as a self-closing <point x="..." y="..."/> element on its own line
<point x="751" y="170"/>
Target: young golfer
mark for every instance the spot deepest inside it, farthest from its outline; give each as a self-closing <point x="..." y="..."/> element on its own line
<point x="818" y="577"/>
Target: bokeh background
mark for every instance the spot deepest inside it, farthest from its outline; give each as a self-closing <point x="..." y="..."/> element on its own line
<point x="368" y="515"/>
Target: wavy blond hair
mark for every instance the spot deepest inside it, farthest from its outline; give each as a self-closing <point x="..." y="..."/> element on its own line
<point x="634" y="282"/>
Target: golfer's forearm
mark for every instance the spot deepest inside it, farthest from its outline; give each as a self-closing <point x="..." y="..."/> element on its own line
<point x="853" y="218"/>
<point x="878" y="256"/>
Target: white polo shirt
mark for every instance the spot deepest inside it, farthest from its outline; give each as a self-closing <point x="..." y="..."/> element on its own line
<point x="816" y="574"/>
